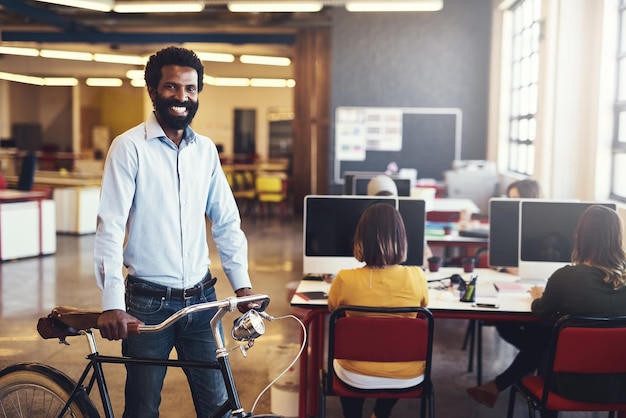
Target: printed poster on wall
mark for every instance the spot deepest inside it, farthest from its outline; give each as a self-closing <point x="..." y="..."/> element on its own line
<point x="366" y="129"/>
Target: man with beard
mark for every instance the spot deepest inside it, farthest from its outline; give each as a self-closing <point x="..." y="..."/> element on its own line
<point x="161" y="179"/>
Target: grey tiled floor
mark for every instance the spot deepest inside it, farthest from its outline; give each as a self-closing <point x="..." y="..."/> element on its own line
<point x="29" y="288"/>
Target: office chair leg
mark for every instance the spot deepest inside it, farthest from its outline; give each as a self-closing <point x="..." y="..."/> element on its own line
<point x="509" y="412"/>
<point x="479" y="351"/>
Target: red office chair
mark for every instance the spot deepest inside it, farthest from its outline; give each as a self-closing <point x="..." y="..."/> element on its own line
<point x="579" y="346"/>
<point x="385" y="337"/>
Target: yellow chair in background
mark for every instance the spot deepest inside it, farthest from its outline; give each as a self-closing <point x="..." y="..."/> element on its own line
<point x="271" y="189"/>
<point x="243" y="190"/>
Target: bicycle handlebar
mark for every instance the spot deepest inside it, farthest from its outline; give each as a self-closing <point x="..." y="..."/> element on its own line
<point x="229" y="304"/>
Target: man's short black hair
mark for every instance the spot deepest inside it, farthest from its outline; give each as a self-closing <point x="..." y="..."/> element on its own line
<point x="172" y="55"/>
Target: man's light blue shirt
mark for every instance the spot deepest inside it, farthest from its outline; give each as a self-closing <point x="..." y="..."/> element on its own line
<point x="154" y="201"/>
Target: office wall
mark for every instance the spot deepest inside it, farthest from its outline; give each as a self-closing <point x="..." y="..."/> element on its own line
<point x="438" y="59"/>
<point x="49" y="107"/>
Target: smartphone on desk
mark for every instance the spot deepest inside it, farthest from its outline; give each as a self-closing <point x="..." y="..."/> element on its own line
<point x="491" y="305"/>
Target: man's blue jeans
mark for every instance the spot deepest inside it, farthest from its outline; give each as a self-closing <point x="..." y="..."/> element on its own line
<point x="193" y="339"/>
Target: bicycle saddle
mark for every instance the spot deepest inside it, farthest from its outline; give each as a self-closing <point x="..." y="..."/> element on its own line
<point x="66" y="321"/>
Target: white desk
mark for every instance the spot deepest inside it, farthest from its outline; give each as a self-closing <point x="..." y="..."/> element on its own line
<point x="446" y="204"/>
<point x="78" y="209"/>
<point x="27" y="224"/>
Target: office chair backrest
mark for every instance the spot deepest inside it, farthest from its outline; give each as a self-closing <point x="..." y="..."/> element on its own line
<point x="383" y="337"/>
<point x="590" y="345"/>
<point x="27" y="172"/>
<point x="354" y="335"/>
<point x="269" y="184"/>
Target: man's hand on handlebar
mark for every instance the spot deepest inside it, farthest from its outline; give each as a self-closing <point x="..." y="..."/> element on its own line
<point x="245" y="291"/>
<point x="116" y="324"/>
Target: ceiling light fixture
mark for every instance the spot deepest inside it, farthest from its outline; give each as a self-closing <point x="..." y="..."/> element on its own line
<point x="215" y="57"/>
<point x="138" y="82"/>
<point x="395" y="6"/>
<point x="277" y="7"/>
<point x="104" y="82"/>
<point x="263" y="60"/>
<point x="99" y="5"/>
<point x="158" y="7"/>
<point x="119" y="59"/>
<point x="66" y="55"/>
<point x="19" y="78"/>
<point x="268" y="82"/>
<point x="60" y="81"/>
<point x="26" y="52"/>
<point x="135" y="74"/>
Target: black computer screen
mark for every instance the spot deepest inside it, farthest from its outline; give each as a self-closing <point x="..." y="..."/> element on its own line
<point x="330" y="223"/>
<point x="360" y="183"/>
<point x="413" y="212"/>
<point x="547" y="229"/>
<point x="503" y="232"/>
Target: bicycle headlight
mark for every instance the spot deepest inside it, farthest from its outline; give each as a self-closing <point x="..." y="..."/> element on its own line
<point x="248" y="327"/>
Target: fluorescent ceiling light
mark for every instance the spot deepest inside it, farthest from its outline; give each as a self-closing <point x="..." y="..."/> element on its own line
<point x="104" y="82"/>
<point x="262" y="60"/>
<point x="119" y="59"/>
<point x="99" y="5"/>
<point x="158" y="7"/>
<point x="215" y="57"/>
<point x="268" y="82"/>
<point x="231" y="82"/>
<point x="60" y="81"/>
<point x="27" y="52"/>
<point x="269" y="7"/>
<point x="66" y="55"/>
<point x="138" y="82"/>
<point x="395" y="6"/>
<point x="135" y="74"/>
<point x="26" y="79"/>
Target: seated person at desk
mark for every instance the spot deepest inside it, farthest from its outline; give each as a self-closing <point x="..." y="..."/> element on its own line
<point x="380" y="242"/>
<point x="524" y="189"/>
<point x="384" y="185"/>
<point x="593" y="285"/>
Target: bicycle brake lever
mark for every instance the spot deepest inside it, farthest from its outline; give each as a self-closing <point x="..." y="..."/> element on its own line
<point x="245" y="347"/>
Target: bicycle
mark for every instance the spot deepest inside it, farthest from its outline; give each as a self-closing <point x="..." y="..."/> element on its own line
<point x="37" y="390"/>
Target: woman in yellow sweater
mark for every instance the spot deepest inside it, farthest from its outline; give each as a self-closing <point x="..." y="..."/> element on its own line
<point x="380" y="242"/>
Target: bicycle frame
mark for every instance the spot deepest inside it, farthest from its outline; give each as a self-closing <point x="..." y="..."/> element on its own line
<point x="223" y="363"/>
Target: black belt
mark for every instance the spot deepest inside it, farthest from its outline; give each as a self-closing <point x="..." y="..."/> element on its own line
<point x="133" y="286"/>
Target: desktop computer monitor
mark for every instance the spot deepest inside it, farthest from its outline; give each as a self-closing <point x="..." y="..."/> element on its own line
<point x="503" y="232"/>
<point x="348" y="177"/>
<point x="413" y="213"/>
<point x="329" y="226"/>
<point x="360" y="182"/>
<point x="546" y="235"/>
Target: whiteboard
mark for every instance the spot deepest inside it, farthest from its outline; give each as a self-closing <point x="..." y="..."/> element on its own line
<point x="369" y="138"/>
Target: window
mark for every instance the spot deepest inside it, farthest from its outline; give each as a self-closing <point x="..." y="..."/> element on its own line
<point x="618" y="183"/>
<point x="525" y="35"/>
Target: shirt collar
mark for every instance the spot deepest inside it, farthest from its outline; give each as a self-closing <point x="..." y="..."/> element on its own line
<point x="155" y="131"/>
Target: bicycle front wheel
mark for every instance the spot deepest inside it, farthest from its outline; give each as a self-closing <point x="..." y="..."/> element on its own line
<point x="39" y="391"/>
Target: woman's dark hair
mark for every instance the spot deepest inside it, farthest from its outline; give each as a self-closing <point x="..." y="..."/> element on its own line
<point x="598" y="242"/>
<point x="527" y="188"/>
<point x="380" y="237"/>
<point x="172" y="56"/>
